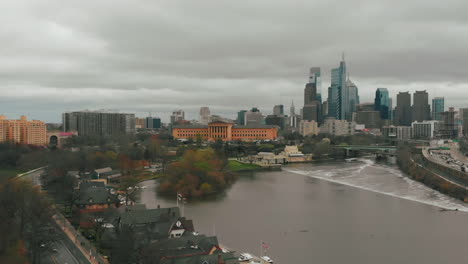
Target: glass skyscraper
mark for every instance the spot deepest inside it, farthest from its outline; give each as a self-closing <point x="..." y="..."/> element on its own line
<point x="338" y="94"/>
<point x="383" y="103"/>
<point x="438" y="106"/>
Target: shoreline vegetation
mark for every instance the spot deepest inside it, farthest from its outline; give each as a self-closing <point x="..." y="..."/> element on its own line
<point x="412" y="162"/>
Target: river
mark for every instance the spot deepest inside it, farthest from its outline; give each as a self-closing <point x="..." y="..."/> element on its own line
<point x="337" y="212"/>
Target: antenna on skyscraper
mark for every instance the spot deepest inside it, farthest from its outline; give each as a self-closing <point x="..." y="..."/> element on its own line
<point x="342" y="56"/>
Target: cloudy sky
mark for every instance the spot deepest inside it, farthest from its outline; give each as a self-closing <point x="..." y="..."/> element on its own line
<point x="156" y="56"/>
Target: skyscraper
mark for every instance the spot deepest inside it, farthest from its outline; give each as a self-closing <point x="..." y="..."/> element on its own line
<point x="205" y="115"/>
<point x="353" y="98"/>
<point x="437" y="108"/>
<point x="241" y="117"/>
<point x="338" y="94"/>
<point x="312" y="107"/>
<point x="403" y="109"/>
<point x="382" y="103"/>
<point x="177" y="115"/>
<point x="421" y="109"/>
<point x="292" y="109"/>
<point x="316" y="80"/>
<point x="278" y="110"/>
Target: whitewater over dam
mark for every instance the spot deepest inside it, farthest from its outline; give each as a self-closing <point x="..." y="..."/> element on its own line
<point x="380" y="178"/>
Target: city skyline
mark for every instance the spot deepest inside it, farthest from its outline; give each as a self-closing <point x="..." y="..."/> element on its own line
<point x="168" y="57"/>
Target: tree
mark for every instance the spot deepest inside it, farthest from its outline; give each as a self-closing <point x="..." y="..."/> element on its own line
<point x="28" y="214"/>
<point x="127" y="184"/>
<point x="198" y="173"/>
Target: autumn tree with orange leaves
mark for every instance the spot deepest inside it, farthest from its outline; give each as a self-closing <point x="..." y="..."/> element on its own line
<point x="197" y="174"/>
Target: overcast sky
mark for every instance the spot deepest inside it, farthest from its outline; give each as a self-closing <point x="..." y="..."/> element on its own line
<point x="157" y="56"/>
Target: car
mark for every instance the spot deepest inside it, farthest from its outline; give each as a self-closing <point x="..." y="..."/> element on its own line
<point x="267" y="259"/>
<point x="255" y="262"/>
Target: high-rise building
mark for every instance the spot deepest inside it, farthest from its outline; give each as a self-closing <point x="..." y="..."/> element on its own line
<point x="153" y="123"/>
<point x="337" y="127"/>
<point x="241" y="117"/>
<point x="205" y="115"/>
<point x="338" y="94"/>
<point x="312" y="106"/>
<point x="353" y="98"/>
<point x="292" y="109"/>
<point x="383" y="103"/>
<point x="278" y="110"/>
<point x="403" y="109"/>
<point x="140" y="123"/>
<point x="449" y="127"/>
<point x="88" y="123"/>
<point x="425" y="129"/>
<point x="308" y="128"/>
<point x="421" y="109"/>
<point x="275" y="120"/>
<point x="254" y="117"/>
<point x="370" y="119"/>
<point x="177" y="116"/>
<point x="23" y="131"/>
<point x="315" y="78"/>
<point x="437" y="108"/>
<point x="463" y="116"/>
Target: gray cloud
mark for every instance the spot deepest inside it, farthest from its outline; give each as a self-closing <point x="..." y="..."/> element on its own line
<point x="142" y="56"/>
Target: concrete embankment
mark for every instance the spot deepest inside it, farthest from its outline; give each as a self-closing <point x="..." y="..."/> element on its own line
<point x="436" y="176"/>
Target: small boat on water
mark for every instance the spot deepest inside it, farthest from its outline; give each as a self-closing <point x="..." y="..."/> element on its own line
<point x="267" y="259"/>
<point x="245" y="257"/>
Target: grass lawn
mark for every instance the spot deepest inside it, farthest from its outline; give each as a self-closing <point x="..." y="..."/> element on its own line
<point x="6" y="174"/>
<point x="235" y="165"/>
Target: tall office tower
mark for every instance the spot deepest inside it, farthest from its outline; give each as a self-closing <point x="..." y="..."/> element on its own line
<point x="449" y="126"/>
<point x="254" y="117"/>
<point x="383" y="103"/>
<point x="177" y="115"/>
<point x="316" y="79"/>
<point x="241" y="117"/>
<point x="438" y="106"/>
<point x="463" y="116"/>
<point x="292" y="109"/>
<point x="152" y="122"/>
<point x="312" y="110"/>
<point x="353" y="98"/>
<point x="205" y="115"/>
<point x="324" y="109"/>
<point x="88" y="123"/>
<point x="278" y="110"/>
<point x="421" y="109"/>
<point x="403" y="109"/>
<point x="338" y="94"/>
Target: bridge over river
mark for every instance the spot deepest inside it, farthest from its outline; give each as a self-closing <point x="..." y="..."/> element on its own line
<point x="382" y="151"/>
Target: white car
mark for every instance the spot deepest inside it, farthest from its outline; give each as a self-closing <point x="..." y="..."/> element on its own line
<point x="267" y="259"/>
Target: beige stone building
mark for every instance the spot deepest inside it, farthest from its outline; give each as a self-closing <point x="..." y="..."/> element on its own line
<point x="23" y="131"/>
<point x="337" y="127"/>
<point x="308" y="128"/>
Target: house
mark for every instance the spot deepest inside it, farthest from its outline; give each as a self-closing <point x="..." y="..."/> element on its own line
<point x="110" y="175"/>
<point x="191" y="248"/>
<point x="151" y="225"/>
<point x="93" y="197"/>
